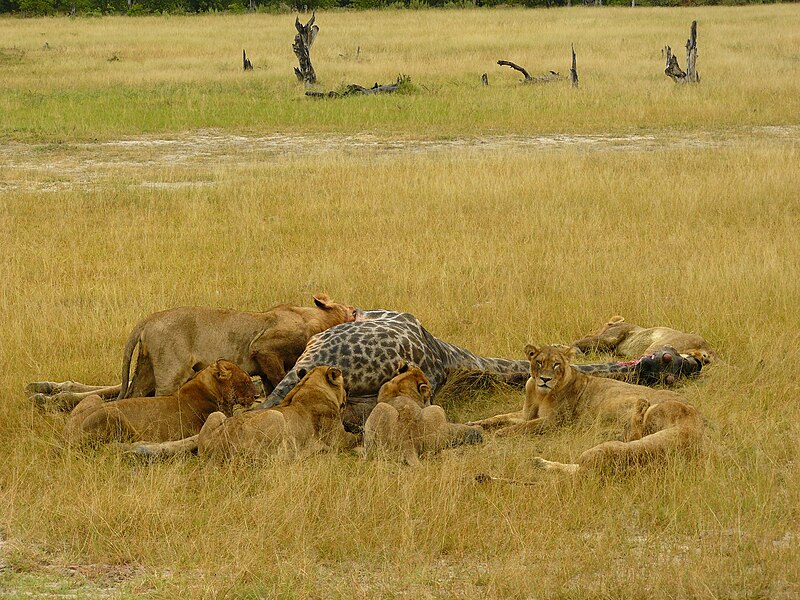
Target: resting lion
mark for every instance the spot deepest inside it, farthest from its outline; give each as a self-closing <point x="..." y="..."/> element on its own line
<point x="404" y="424"/>
<point x="654" y="422"/>
<point x="308" y="419"/>
<point x="631" y="340"/>
<point x="216" y="388"/>
<point x="174" y="343"/>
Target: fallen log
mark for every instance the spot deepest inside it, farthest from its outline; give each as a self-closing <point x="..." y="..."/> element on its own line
<point x="546" y="78"/>
<point x="354" y="89"/>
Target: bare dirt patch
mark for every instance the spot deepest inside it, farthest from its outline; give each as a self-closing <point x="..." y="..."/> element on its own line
<point x="178" y="161"/>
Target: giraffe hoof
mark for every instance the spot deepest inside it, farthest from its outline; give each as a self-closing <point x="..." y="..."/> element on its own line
<point x="669" y="379"/>
<point x="667" y="357"/>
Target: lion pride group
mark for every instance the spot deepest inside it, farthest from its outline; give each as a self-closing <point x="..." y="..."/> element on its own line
<point x="194" y="368"/>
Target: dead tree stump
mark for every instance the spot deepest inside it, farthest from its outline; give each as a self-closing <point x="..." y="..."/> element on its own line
<point x="246" y="64"/>
<point x="573" y="72"/>
<point x="673" y="69"/>
<point x="306" y="34"/>
<point x="485" y="79"/>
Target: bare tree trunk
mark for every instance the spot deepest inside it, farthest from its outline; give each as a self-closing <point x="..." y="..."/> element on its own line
<point x="246" y="64"/>
<point x="306" y="34"/>
<point x="573" y="72"/>
<point x="673" y="69"/>
<point x="485" y="79"/>
<point x="691" y="56"/>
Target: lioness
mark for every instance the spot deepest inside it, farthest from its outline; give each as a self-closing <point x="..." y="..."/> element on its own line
<point x="631" y="340"/>
<point x="308" y="419"/>
<point x="177" y="342"/>
<point x="216" y="388"/>
<point x="654" y="421"/>
<point x="404" y="423"/>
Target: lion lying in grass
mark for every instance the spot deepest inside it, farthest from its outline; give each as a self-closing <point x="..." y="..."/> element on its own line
<point x="631" y="340"/>
<point x="654" y="422"/>
<point x="309" y="419"/>
<point x="403" y="422"/>
<point x="218" y="387"/>
<point x="175" y="343"/>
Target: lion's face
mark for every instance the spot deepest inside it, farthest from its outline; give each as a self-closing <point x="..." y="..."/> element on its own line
<point x="342" y="313"/>
<point x="321" y="382"/>
<point x="234" y="384"/>
<point x="549" y="366"/>
<point x="410" y="381"/>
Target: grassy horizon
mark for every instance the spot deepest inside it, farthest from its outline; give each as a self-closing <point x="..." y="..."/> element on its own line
<point x="117" y="76"/>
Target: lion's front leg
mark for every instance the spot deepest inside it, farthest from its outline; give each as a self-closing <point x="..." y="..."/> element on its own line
<point x="532" y="427"/>
<point x="499" y="420"/>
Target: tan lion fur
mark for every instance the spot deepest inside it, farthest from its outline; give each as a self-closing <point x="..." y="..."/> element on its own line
<point x="654" y="422"/>
<point x="218" y="387"/>
<point x="404" y="424"/>
<point x="308" y="419"/>
<point x="174" y="343"/>
<point x="627" y="339"/>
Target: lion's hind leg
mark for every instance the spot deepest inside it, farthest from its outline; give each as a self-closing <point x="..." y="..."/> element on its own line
<point x="549" y="465"/>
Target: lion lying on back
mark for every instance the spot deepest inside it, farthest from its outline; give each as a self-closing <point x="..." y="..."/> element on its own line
<point x="309" y="419"/>
<point x="654" y="422"/>
<point x="631" y="340"/>
<point x="216" y="388"/>
<point x="403" y="422"/>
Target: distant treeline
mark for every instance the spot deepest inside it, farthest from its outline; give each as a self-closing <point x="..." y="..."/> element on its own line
<point x="137" y="7"/>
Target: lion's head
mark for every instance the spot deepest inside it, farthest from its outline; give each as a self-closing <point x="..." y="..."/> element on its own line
<point x="323" y="384"/>
<point x="233" y="385"/>
<point x="411" y="382"/>
<point x="550" y="366"/>
<point x="341" y="313"/>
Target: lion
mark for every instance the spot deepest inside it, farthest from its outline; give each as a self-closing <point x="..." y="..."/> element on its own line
<point x="175" y="343"/>
<point x="403" y="422"/>
<point x="655" y="422"/>
<point x="218" y="387"/>
<point x="309" y="419"/>
<point x="631" y="340"/>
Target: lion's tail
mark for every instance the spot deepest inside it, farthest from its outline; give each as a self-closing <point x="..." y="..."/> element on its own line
<point x="127" y="356"/>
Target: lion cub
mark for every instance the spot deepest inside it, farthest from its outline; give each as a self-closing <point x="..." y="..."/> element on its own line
<point x="216" y="388"/>
<point x="403" y="422"/>
<point x="654" y="422"/>
<point x="631" y="340"/>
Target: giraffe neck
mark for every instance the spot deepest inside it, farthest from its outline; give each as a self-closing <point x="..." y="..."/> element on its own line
<point x="453" y="357"/>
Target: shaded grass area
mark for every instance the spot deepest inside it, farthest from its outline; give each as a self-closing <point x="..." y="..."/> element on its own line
<point x="698" y="239"/>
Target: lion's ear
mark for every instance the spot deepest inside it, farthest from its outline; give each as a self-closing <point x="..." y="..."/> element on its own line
<point x="530" y="350"/>
<point x="424" y="391"/>
<point x="322" y="301"/>
<point x="570" y="353"/>
<point x="403" y="368"/>
<point x="616" y="319"/>
<point x="333" y="374"/>
<point x="301" y="373"/>
<point x="222" y="372"/>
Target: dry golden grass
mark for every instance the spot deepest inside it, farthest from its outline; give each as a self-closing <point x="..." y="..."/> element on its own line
<point x="491" y="246"/>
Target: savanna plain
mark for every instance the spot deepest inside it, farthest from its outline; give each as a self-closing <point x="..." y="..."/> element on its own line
<point x="141" y="169"/>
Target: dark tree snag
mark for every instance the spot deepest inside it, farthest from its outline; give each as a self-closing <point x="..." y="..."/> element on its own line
<point x="306" y="34"/>
<point x="546" y="78"/>
<point x="485" y="79"/>
<point x="246" y="64"/>
<point x="516" y="67"/>
<point x="673" y="69"/>
<point x="691" y="56"/>
<point x="573" y="72"/>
